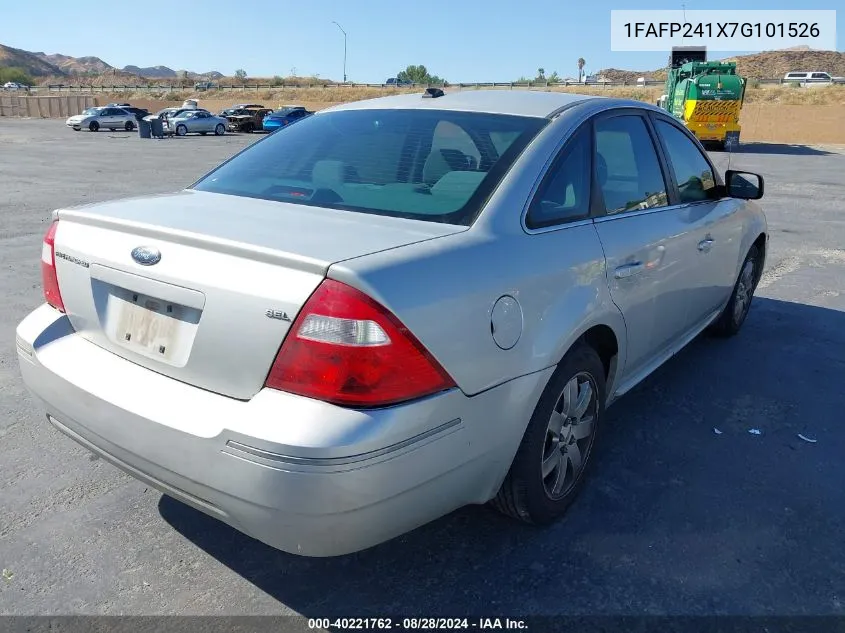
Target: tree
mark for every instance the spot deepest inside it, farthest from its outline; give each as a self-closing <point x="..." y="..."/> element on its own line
<point x="15" y="75"/>
<point x="240" y="74"/>
<point x="540" y="78"/>
<point x="581" y="64"/>
<point x="419" y="75"/>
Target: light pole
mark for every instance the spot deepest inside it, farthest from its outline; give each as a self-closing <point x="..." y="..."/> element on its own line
<point x="344" y="48"/>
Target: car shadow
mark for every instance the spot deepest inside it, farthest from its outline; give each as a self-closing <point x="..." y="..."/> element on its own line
<point x="778" y="148"/>
<point x="688" y="509"/>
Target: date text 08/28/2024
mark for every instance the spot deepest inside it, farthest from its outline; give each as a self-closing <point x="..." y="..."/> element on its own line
<point x="418" y="624"/>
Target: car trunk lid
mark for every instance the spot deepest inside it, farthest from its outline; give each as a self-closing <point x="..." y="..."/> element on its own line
<point x="215" y="280"/>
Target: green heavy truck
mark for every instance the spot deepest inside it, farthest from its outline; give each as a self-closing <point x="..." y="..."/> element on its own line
<point x="706" y="96"/>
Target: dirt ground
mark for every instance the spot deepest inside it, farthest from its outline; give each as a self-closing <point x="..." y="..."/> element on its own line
<point x="761" y="122"/>
<point x="767" y="117"/>
<point x="793" y="124"/>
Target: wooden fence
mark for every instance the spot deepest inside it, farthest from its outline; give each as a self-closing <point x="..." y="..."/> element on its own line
<point x="45" y="107"/>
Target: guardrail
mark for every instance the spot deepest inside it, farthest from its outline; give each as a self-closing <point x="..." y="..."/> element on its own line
<point x="247" y="87"/>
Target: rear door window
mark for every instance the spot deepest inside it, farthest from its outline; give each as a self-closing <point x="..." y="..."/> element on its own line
<point x="434" y="165"/>
<point x="627" y="169"/>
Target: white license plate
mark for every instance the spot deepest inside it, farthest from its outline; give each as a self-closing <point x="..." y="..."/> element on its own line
<point x="147" y="325"/>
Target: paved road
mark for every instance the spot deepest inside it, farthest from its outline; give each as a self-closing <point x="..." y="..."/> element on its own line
<point x="676" y="519"/>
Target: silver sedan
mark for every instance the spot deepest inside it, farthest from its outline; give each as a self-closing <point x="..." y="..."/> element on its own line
<point x="200" y="121"/>
<point x="393" y="309"/>
<point x="109" y="117"/>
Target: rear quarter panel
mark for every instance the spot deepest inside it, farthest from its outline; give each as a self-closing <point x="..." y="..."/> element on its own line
<point x="444" y="291"/>
<point x="754" y="224"/>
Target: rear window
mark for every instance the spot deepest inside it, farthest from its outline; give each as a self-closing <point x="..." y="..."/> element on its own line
<point x="432" y="165"/>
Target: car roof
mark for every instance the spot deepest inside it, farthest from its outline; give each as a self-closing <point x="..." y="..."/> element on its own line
<point x="514" y="102"/>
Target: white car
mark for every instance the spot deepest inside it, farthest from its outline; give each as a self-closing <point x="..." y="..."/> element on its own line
<point x="811" y="78"/>
<point x="201" y="121"/>
<point x="11" y="85"/>
<point x="106" y="117"/>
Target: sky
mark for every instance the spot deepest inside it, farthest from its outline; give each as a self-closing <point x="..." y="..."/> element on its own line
<point x="459" y="40"/>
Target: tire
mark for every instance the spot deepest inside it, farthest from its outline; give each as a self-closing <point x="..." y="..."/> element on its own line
<point x="249" y="128"/>
<point x="181" y="130"/>
<point x="94" y="126"/>
<point x="735" y="312"/>
<point x="220" y="130"/>
<point x="527" y="493"/>
<point x="129" y="126"/>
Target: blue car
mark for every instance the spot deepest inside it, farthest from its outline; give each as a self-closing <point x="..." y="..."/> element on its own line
<point x="284" y="116"/>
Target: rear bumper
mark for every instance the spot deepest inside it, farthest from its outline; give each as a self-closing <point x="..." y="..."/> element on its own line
<point x="300" y="475"/>
<point x="715" y="131"/>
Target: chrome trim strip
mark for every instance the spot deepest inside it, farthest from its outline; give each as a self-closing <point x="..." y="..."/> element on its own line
<point x="557" y="227"/>
<point x="339" y="461"/>
<point x="632" y="214"/>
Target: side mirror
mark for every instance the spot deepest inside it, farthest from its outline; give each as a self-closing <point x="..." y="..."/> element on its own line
<point x="744" y="185"/>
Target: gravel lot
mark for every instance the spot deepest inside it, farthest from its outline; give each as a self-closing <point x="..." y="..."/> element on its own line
<point x="676" y="519"/>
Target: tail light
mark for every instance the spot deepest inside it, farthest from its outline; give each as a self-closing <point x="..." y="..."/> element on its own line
<point x="346" y="349"/>
<point x="49" y="279"/>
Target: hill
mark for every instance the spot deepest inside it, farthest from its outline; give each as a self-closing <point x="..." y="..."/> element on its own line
<point x="775" y="64"/>
<point x="766" y="65"/>
<point x="163" y="72"/>
<point x="30" y="63"/>
<point x="75" y="65"/>
<point x="631" y="76"/>
<point x="59" y="66"/>
<point x="151" y="72"/>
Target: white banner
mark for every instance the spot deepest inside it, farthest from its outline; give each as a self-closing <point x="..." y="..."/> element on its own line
<point x="722" y="30"/>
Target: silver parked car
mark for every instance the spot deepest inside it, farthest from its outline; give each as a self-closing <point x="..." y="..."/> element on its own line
<point x="109" y="117"/>
<point x="392" y="309"/>
<point x="189" y="121"/>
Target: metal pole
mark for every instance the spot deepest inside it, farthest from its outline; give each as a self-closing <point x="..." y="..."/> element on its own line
<point x="344" y="48"/>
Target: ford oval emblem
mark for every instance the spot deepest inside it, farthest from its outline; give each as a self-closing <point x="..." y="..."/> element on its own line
<point x="146" y="255"/>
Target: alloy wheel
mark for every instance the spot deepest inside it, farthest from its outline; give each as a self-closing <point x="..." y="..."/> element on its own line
<point x="744" y="291"/>
<point x="569" y="435"/>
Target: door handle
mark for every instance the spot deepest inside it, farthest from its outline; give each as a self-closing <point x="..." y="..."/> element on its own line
<point x="628" y="270"/>
<point x="705" y="245"/>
